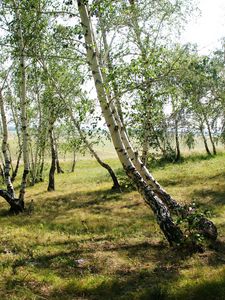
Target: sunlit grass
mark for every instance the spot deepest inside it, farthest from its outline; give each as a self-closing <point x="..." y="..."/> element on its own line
<point x="85" y="242"/>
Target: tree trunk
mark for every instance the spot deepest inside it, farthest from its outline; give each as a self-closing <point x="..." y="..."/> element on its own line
<point x="58" y="168"/>
<point x="51" y="181"/>
<point x="133" y="154"/>
<point x="2" y="174"/>
<point x="210" y="136"/>
<point x="144" y="154"/>
<point x="208" y="128"/>
<point x="42" y="136"/>
<point x="107" y="60"/>
<point x="127" y="156"/>
<point x="23" y="105"/>
<point x="33" y="167"/>
<point x="116" y="185"/>
<point x="14" y="174"/>
<point x="171" y="231"/>
<point x="5" y="151"/>
<point x="42" y="163"/>
<point x="178" y="155"/>
<point x="16" y="122"/>
<point x="16" y="205"/>
<point x="74" y="161"/>
<point x="204" y="140"/>
<point x="25" y="135"/>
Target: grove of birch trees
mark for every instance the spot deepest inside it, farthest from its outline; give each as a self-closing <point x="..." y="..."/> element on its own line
<point x="75" y="71"/>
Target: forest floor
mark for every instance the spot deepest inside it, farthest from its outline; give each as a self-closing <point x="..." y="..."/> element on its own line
<point x="85" y="242"/>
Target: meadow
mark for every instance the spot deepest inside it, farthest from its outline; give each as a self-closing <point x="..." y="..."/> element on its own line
<point x="85" y="242"/>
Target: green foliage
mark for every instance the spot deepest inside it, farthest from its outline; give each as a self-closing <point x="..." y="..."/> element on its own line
<point x="190" y="221"/>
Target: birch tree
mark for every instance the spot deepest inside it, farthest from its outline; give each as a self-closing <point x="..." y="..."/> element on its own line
<point x="153" y="194"/>
<point x="58" y="85"/>
<point x="16" y="205"/>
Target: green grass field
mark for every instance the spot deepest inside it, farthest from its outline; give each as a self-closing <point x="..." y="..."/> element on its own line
<point x="85" y="242"/>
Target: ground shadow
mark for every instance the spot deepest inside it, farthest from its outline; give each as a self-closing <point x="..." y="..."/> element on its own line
<point x="144" y="282"/>
<point x="217" y="197"/>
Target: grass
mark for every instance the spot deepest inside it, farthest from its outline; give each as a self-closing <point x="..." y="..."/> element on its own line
<point x="85" y="242"/>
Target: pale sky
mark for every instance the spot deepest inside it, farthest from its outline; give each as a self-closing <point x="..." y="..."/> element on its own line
<point x="208" y="28"/>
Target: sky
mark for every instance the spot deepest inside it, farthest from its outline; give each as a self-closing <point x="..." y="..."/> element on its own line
<point x="207" y="29"/>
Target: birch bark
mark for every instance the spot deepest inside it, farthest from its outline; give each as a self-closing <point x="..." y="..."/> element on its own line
<point x="201" y="128"/>
<point x="23" y="104"/>
<point x="5" y="152"/>
<point x="170" y="230"/>
<point x="137" y="161"/>
<point x="16" y="205"/>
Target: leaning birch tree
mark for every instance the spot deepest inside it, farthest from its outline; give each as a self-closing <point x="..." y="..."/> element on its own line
<point x="153" y="194"/>
<point x="170" y="229"/>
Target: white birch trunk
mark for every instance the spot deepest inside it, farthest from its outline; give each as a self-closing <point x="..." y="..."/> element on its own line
<point x="16" y="205"/>
<point x="171" y="231"/>
<point x="5" y="152"/>
<point x="137" y="161"/>
<point x="23" y="104"/>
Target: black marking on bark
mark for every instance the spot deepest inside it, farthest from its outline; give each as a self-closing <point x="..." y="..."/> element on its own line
<point x="25" y="173"/>
<point x="97" y="81"/>
<point x="130" y="169"/>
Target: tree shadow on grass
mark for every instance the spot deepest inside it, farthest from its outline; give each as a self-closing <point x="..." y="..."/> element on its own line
<point x="210" y="290"/>
<point x="156" y="267"/>
<point x="77" y="199"/>
<point x="140" y="285"/>
<point x="217" y="197"/>
<point x="147" y="284"/>
<point x="58" y="205"/>
<point x="217" y="256"/>
<point x="139" y="282"/>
